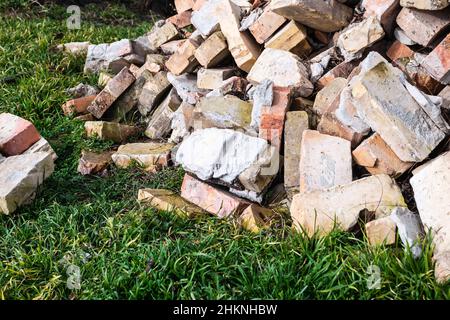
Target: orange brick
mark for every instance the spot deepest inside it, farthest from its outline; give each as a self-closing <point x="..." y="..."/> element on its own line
<point x="16" y="134"/>
<point x="215" y="201"/>
<point x="181" y="20"/>
<point x="77" y="106"/>
<point x="272" y="117"/>
<point x="398" y="50"/>
<point x="377" y="157"/>
<point x="266" y="25"/>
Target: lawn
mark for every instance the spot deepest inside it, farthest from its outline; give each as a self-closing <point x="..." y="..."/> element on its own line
<point x="125" y="251"/>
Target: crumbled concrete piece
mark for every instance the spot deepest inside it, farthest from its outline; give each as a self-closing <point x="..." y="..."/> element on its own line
<point x="109" y="130"/>
<point x="153" y="92"/>
<point x="262" y="95"/>
<point x="291" y="37"/>
<point x="75" y="48"/>
<point x="321" y="210"/>
<point x="186" y="87"/>
<point x="181" y="20"/>
<point x="377" y="157"/>
<point x="255" y="218"/>
<point x="161" y="35"/>
<point x="220" y="153"/>
<point x="151" y="156"/>
<point x="384" y="10"/>
<point x="213" y="200"/>
<point x="82" y="90"/>
<point x="16" y="134"/>
<point x="160" y="123"/>
<point x="213" y="78"/>
<point x="242" y="46"/>
<point x="2" y="158"/>
<point x="180" y="125"/>
<point x="273" y="116"/>
<point x="212" y="51"/>
<point x="423" y="26"/>
<point x="325" y="161"/>
<point x="284" y="69"/>
<point x="319" y="65"/>
<point x="20" y="176"/>
<point x="249" y="20"/>
<point x="437" y="63"/>
<point x="184" y="59"/>
<point x="266" y="25"/>
<point x="407" y="120"/>
<point x="326" y="16"/>
<point x="296" y="124"/>
<point x="206" y="19"/>
<point x="425" y="4"/>
<point x="78" y="105"/>
<point x="166" y="200"/>
<point x="115" y="87"/>
<point x="42" y="145"/>
<point x="381" y="231"/>
<point x="94" y="163"/>
<point x="326" y="96"/>
<point x="99" y="56"/>
<point x="358" y="36"/>
<point x="228" y="112"/>
<point x="431" y="189"/>
<point x="409" y="228"/>
<point x="128" y="100"/>
<point x="249" y="195"/>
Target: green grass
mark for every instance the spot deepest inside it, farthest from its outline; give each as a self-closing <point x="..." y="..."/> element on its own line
<point x="131" y="252"/>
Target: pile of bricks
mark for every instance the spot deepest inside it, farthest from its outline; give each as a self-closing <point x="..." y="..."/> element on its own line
<point x="341" y="104"/>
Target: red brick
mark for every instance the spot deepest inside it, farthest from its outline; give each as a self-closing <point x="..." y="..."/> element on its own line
<point x="77" y="106"/>
<point x="181" y="20"/>
<point x="342" y="70"/>
<point x="398" y="50"/>
<point x="272" y="117"/>
<point x="213" y="200"/>
<point x="16" y="134"/>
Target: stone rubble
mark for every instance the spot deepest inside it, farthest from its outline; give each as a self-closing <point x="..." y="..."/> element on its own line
<point x="338" y="102"/>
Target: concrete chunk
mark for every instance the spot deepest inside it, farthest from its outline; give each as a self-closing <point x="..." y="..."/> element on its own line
<point x="42" y="145"/>
<point x="284" y="69"/>
<point x="321" y="210"/>
<point x="93" y="162"/>
<point x="20" y="176"/>
<point x="409" y="228"/>
<point x="425" y="4"/>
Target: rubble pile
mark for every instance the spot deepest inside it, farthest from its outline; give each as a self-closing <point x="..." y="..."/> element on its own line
<point x="339" y="103"/>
